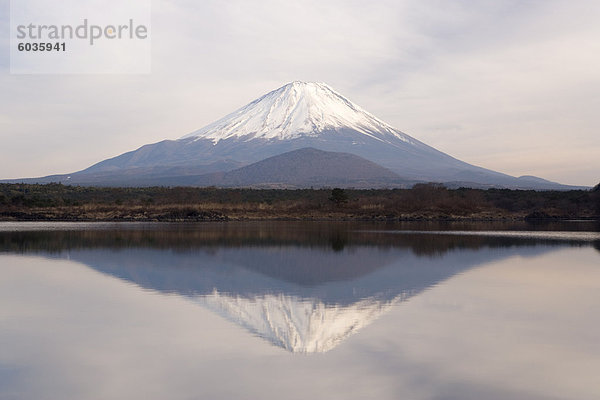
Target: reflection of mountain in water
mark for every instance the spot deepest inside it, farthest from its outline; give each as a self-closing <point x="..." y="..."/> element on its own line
<point x="296" y="324"/>
<point x="335" y="295"/>
<point x="302" y="294"/>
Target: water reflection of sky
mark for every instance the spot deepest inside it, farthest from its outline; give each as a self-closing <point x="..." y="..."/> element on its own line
<point x="506" y="322"/>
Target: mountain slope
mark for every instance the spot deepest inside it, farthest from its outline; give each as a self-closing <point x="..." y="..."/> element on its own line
<point x="296" y="116"/>
<point x="292" y="117"/>
<point x="308" y="167"/>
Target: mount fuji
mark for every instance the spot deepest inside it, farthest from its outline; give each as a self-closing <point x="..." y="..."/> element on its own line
<point x="295" y="116"/>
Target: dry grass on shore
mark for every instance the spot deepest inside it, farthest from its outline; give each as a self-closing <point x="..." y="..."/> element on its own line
<point x="423" y="202"/>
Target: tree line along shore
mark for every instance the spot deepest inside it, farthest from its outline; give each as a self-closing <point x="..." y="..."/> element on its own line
<point x="57" y="202"/>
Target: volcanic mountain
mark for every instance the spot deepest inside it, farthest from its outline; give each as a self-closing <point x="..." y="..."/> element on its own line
<point x="295" y="116"/>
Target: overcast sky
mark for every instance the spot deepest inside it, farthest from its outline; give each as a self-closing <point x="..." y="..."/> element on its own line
<point x="512" y="86"/>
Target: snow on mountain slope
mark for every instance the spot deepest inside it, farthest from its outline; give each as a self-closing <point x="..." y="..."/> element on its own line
<point x="295" y="324"/>
<point x="295" y="110"/>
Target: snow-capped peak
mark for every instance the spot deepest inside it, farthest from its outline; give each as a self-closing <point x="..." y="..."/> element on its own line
<point x="295" y="110"/>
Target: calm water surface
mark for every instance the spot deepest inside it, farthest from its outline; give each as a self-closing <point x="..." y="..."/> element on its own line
<point x="299" y="311"/>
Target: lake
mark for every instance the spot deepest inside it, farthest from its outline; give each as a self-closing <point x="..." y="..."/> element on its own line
<point x="300" y="310"/>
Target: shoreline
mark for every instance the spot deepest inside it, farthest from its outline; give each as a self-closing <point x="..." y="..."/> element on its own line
<point x="427" y="202"/>
<point x="36" y="216"/>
